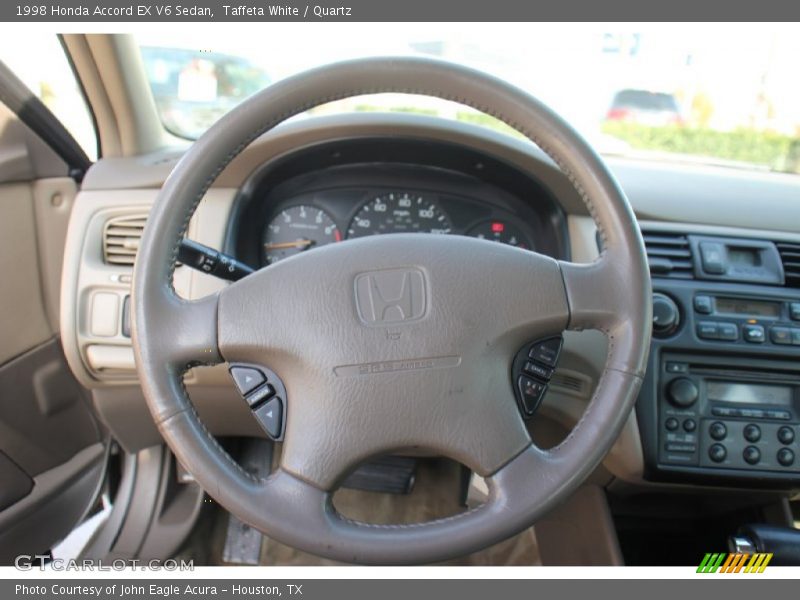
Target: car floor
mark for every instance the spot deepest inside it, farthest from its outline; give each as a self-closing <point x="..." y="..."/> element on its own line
<point x="435" y="495"/>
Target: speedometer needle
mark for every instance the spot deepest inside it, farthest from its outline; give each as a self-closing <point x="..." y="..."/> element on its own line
<point x="302" y="244"/>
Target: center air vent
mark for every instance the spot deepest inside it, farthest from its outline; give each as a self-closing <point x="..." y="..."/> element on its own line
<point x="790" y="257"/>
<point x="669" y="255"/>
<point x="121" y="237"/>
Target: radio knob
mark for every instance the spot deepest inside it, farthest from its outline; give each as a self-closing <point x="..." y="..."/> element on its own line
<point x="683" y="392"/>
<point x="666" y="316"/>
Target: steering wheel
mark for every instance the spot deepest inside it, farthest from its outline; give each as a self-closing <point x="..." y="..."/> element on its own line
<point x="442" y="380"/>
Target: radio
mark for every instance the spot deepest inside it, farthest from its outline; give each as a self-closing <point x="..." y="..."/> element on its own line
<point x="714" y="417"/>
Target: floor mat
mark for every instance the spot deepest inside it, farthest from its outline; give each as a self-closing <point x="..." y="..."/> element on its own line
<point x="435" y="495"/>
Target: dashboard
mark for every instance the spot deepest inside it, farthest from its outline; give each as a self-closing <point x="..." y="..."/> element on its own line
<point x="351" y="189"/>
<point x="327" y="180"/>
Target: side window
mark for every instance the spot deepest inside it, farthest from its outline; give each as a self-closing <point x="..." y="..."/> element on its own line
<point x="39" y="61"/>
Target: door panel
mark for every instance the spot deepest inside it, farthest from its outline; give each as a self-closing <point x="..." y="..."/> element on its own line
<point x="24" y="324"/>
<point x="53" y="450"/>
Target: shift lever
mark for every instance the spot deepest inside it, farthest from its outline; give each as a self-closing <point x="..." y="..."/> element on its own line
<point x="782" y="542"/>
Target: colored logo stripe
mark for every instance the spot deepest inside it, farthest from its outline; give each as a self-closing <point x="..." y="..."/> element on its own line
<point x="734" y="562"/>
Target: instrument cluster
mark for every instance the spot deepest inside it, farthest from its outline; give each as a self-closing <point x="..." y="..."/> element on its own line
<point x="311" y="221"/>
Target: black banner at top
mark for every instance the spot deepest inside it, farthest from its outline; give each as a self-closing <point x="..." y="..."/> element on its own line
<point x="41" y="11"/>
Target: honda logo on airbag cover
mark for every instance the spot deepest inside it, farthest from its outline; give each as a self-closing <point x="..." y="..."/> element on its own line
<point x="391" y="296"/>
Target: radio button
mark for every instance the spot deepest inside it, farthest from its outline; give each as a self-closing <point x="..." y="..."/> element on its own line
<point x="722" y="411"/>
<point x="677" y="367"/>
<point x="785" y="457"/>
<point x="689" y="425"/>
<point x="794" y="311"/>
<point x="717" y="430"/>
<point x="783" y="415"/>
<point x="717" y="453"/>
<point x="751" y="455"/>
<point x="671" y="424"/>
<point x="680" y="447"/>
<point x="785" y="435"/>
<point x="728" y="332"/>
<point x="754" y="334"/>
<point x="704" y="305"/>
<point x="707" y="330"/>
<point x="795" y="336"/>
<point x="780" y="335"/>
<point x="752" y="433"/>
<point x="750" y="413"/>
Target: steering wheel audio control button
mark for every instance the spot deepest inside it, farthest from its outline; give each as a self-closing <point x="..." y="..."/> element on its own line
<point x="532" y="393"/>
<point x="261" y="394"/>
<point x="542" y="372"/>
<point x="532" y="370"/>
<point x="270" y="417"/>
<point x="247" y="379"/>
<point x="546" y="352"/>
<point x="265" y="394"/>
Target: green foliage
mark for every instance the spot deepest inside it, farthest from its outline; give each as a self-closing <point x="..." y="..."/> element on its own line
<point x="741" y="145"/>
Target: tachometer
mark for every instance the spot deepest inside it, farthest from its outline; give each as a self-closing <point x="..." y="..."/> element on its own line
<point x="500" y="231"/>
<point x="399" y="212"/>
<point x="296" y="229"/>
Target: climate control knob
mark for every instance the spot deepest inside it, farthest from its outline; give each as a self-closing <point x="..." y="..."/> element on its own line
<point x="666" y="316"/>
<point x="682" y="392"/>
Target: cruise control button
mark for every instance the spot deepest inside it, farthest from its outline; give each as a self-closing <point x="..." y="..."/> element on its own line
<point x="542" y="372"/>
<point x="270" y="416"/>
<point x="546" y="352"/>
<point x="532" y="392"/>
<point x="247" y="379"/>
<point x="708" y="330"/>
<point x="754" y="334"/>
<point x="780" y="335"/>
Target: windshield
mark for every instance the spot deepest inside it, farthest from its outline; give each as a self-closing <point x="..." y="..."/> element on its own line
<point x="712" y="93"/>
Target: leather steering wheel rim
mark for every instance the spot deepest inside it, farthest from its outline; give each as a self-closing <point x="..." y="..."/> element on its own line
<point x="300" y="318"/>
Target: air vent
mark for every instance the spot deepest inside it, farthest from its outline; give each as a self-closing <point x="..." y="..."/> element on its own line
<point x="669" y="255"/>
<point x="571" y="382"/>
<point x="790" y="257"/>
<point x="121" y="237"/>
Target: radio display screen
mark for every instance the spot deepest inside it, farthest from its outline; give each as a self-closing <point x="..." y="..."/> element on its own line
<point x="749" y="393"/>
<point x="740" y="306"/>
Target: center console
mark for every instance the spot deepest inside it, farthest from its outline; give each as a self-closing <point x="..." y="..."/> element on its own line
<point x="721" y="400"/>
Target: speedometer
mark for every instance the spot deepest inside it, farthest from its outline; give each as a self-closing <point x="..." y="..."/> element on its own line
<point x="399" y="212"/>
